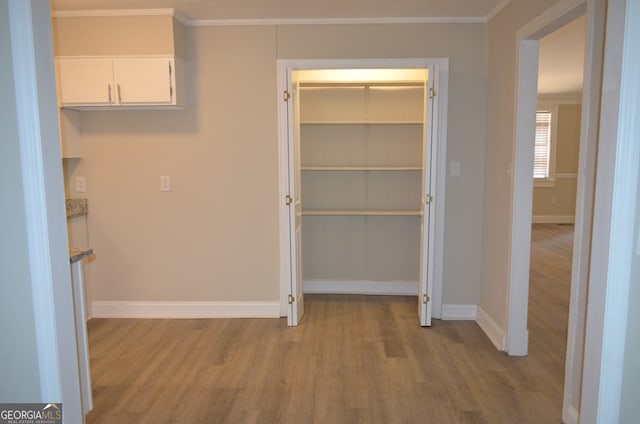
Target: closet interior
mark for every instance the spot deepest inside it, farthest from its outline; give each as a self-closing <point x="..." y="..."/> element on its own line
<point x="363" y="174"/>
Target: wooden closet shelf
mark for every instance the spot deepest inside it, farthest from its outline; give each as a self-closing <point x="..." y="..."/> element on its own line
<point x="362" y="168"/>
<point x="361" y="212"/>
<point x="361" y="122"/>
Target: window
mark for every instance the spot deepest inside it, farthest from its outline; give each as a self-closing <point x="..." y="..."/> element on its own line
<point x="544" y="152"/>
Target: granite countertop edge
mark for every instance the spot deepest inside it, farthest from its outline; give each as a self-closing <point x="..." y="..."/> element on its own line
<point x="76" y="207"/>
<point x="78" y="253"/>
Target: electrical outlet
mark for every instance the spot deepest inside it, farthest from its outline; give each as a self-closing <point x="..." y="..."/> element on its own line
<point x="554" y="200"/>
<point x="81" y="184"/>
<point x="165" y="183"/>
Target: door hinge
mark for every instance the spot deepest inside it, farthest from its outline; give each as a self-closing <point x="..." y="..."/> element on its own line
<point x="425" y="299"/>
<point x="287" y="95"/>
<point x="288" y="200"/>
<point x="291" y="299"/>
<point x="428" y="199"/>
<point x="432" y="93"/>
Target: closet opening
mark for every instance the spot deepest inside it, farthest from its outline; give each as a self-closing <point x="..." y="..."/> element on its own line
<point x="360" y="174"/>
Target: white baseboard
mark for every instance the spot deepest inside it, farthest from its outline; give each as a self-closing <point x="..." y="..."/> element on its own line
<point x="570" y="416"/>
<point x="491" y="329"/>
<point x="402" y="288"/>
<point x="460" y="312"/>
<point x="553" y="219"/>
<point x="108" y="309"/>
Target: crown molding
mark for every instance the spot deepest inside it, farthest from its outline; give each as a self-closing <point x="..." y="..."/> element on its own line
<point x="268" y="22"/>
<point x="119" y="12"/>
<point x="492" y="14"/>
<point x="337" y="21"/>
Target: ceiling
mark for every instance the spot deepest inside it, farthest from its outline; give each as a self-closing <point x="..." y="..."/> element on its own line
<point x="561" y="53"/>
<point x="562" y="59"/>
<point x="296" y="9"/>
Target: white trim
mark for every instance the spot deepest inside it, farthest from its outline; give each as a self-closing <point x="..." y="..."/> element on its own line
<point x="544" y="183"/>
<point x="518" y="256"/>
<point x="497" y="9"/>
<point x="460" y="312"/>
<point x="118" y="56"/>
<point x="552" y="19"/>
<point x="174" y="310"/>
<point x="596" y="13"/>
<point x="111" y="12"/>
<point x="337" y="21"/>
<point x="269" y="21"/>
<point x="403" y="288"/>
<point x="554" y="219"/>
<point x="491" y="329"/>
<point x="120" y="12"/>
<point x="566" y="176"/>
<point x="43" y="186"/>
<point x="614" y="215"/>
<point x="30" y="105"/>
<point x="35" y="197"/>
<point x="560" y="99"/>
<point x="571" y="416"/>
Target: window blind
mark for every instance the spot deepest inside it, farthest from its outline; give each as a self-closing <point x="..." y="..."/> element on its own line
<point x="542" y="151"/>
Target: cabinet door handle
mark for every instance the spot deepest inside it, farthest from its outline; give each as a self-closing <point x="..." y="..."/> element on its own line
<point x="119" y="94"/>
<point x="109" y="86"/>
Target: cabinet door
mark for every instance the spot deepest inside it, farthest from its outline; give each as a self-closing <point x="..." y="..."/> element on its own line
<point x="144" y="81"/>
<point x="86" y="81"/>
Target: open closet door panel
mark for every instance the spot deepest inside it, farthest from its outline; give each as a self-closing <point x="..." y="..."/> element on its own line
<point x="296" y="296"/>
<point x="426" y="220"/>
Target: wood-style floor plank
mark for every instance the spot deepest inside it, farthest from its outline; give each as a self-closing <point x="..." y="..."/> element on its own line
<point x="353" y="359"/>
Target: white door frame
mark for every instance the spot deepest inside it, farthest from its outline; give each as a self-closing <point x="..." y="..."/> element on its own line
<point x="439" y="149"/>
<point x="522" y="186"/>
<point x="615" y="210"/>
<point x="43" y="185"/>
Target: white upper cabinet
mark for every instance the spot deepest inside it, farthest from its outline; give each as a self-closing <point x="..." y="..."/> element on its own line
<point x="87" y="83"/>
<point x="143" y="81"/>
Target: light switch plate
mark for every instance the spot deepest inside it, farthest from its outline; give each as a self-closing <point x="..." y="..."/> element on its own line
<point x="165" y="183"/>
<point x="81" y="184"/>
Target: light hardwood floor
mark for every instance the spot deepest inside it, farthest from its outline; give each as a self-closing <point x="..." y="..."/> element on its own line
<point x="354" y="359"/>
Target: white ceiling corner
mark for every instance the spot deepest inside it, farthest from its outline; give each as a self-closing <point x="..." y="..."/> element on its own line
<point x="493" y="12"/>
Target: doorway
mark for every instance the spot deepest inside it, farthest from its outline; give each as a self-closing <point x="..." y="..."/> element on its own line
<point x="344" y="151"/>
<point x="560" y="84"/>
<point x="521" y="197"/>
